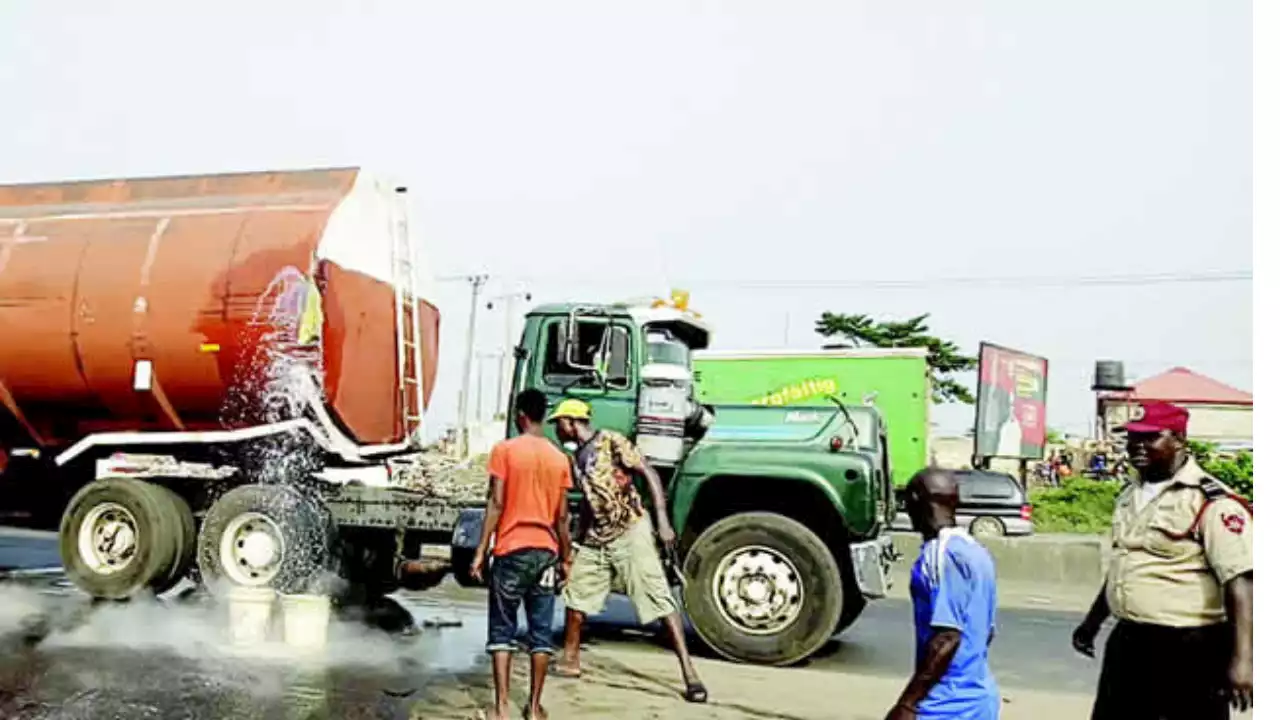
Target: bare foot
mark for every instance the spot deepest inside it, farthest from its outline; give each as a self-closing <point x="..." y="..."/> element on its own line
<point x="539" y="714"/>
<point x="565" y="668"/>
<point x="494" y="713"/>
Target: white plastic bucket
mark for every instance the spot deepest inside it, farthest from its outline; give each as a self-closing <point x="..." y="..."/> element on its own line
<point x="306" y="620"/>
<point x="250" y="618"/>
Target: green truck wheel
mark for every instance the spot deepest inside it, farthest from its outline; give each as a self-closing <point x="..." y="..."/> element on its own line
<point x="763" y="588"/>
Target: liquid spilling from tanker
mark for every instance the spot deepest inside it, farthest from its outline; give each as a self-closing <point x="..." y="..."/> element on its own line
<point x="280" y="368"/>
<point x="280" y="372"/>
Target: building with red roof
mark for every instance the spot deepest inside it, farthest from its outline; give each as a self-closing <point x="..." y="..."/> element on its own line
<point x="1219" y="413"/>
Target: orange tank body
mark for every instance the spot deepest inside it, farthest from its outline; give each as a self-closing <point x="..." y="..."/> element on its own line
<point x="204" y="282"/>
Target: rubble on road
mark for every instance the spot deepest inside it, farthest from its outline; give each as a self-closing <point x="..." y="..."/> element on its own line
<point x="442" y="476"/>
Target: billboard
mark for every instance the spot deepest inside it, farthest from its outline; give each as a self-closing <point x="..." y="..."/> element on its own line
<point x="1010" y="419"/>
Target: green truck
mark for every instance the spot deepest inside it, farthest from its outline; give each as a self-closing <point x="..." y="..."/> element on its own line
<point x="893" y="380"/>
<point x="782" y="512"/>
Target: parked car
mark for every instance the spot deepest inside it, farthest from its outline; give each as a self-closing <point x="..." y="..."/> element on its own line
<point x="992" y="504"/>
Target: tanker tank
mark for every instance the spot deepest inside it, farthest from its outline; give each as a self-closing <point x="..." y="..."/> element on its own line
<point x="197" y="304"/>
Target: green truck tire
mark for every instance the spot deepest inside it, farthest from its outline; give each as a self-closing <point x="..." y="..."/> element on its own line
<point x="763" y="588"/>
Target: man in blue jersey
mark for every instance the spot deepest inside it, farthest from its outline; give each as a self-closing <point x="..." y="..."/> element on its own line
<point x="953" y="592"/>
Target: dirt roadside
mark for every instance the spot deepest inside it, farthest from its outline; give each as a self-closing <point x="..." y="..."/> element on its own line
<point x="624" y="682"/>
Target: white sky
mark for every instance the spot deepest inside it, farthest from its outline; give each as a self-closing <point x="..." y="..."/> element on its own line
<point x="739" y="142"/>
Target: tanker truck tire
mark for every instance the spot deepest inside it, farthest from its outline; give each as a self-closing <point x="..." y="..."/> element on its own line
<point x="120" y="537"/>
<point x="267" y="536"/>
<point x="184" y="538"/>
<point x="763" y="589"/>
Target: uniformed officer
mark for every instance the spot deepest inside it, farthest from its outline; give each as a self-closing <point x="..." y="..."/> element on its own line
<point x="1180" y="583"/>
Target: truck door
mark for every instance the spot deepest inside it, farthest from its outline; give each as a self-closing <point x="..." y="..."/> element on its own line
<point x="613" y="402"/>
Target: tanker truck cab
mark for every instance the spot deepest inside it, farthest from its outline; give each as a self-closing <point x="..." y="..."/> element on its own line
<point x="781" y="512"/>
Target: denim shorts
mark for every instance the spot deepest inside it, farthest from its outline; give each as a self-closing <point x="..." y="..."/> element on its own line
<point x="524" y="576"/>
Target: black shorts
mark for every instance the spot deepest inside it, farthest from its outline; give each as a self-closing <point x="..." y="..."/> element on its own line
<point x="1153" y="672"/>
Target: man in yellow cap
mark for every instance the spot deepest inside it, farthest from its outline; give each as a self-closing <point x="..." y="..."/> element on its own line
<point x="618" y="540"/>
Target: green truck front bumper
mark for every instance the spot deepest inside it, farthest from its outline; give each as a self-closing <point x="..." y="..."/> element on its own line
<point x="872" y="565"/>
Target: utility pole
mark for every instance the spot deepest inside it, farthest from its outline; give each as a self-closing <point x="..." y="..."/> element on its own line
<point x="500" y="399"/>
<point x="478" y="413"/>
<point x="481" y="359"/>
<point x="505" y="369"/>
<point x="477" y="283"/>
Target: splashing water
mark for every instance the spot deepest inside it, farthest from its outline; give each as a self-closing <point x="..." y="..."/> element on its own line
<point x="277" y="374"/>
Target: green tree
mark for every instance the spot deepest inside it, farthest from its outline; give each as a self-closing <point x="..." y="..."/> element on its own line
<point x="945" y="357"/>
<point x="1235" y="470"/>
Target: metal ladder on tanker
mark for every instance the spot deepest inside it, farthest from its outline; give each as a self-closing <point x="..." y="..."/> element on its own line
<point x="408" y="320"/>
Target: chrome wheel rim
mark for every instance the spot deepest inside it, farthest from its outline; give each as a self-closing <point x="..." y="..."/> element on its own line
<point x="758" y="590"/>
<point x="108" y="539"/>
<point x="985" y="528"/>
<point x="251" y="552"/>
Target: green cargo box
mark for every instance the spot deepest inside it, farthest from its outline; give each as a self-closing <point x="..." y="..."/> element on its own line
<point x="895" y="380"/>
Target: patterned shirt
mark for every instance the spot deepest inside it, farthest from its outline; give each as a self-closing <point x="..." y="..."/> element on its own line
<point x="607" y="464"/>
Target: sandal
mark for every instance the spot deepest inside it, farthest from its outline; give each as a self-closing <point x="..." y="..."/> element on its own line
<point x="695" y="693"/>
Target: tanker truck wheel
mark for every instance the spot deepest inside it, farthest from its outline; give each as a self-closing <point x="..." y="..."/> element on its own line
<point x="121" y="536"/>
<point x="267" y="536"/>
<point x="184" y="539"/>
<point x="763" y="588"/>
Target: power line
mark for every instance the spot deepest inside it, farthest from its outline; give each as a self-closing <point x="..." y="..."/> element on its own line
<point x="1118" y="280"/>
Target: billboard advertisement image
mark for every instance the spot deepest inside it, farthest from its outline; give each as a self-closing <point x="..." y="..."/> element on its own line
<point x="1011" y="403"/>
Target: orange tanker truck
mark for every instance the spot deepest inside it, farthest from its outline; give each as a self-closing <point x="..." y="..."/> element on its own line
<point x="214" y="376"/>
<point x="221" y="377"/>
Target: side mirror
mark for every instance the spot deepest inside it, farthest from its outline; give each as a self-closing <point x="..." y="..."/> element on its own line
<point x="564" y="333"/>
<point x="604" y="357"/>
<point x="571" y="345"/>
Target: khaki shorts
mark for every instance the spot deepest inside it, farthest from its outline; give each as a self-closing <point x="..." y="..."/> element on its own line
<point x="631" y="564"/>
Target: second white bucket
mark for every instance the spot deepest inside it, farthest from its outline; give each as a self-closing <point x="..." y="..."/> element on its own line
<point x="250" y="614"/>
<point x="306" y="620"/>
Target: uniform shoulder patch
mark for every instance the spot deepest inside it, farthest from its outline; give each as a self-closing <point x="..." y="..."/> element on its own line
<point x="1214" y="489"/>
<point x="1233" y="522"/>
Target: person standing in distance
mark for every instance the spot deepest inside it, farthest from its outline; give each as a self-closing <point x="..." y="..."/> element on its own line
<point x="618" y="541"/>
<point x="953" y="594"/>
<point x="1180" y="584"/>
<point x="527" y="518"/>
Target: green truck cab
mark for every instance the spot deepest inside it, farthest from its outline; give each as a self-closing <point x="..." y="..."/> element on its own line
<point x="782" y="513"/>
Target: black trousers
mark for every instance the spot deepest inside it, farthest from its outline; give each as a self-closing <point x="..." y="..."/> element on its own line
<point x="1153" y="672"/>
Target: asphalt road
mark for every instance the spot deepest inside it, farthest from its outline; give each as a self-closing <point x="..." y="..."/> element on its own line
<point x="61" y="657"/>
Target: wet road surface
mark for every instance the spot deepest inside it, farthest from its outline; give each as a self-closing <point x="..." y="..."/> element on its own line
<point x="62" y="657"/>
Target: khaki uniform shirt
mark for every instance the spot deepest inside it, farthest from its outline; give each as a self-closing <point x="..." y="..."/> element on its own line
<point x="1159" y="574"/>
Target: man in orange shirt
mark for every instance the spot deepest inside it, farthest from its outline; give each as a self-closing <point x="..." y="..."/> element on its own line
<point x="527" y="519"/>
